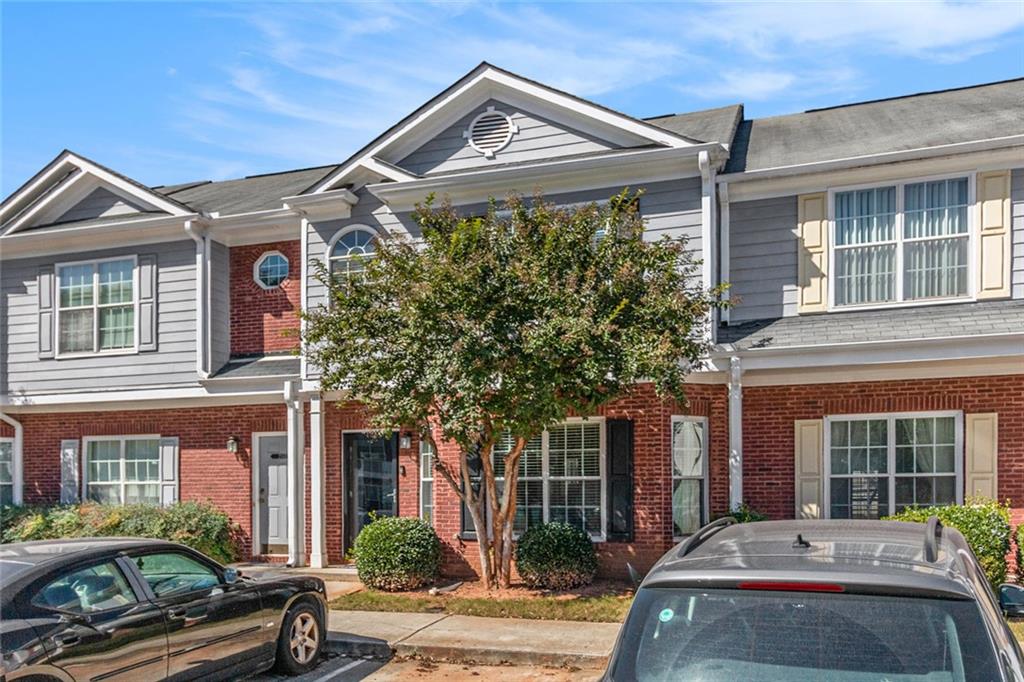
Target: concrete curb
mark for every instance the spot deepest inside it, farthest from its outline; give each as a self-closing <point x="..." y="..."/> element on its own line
<point x="453" y="654"/>
<point x="358" y="647"/>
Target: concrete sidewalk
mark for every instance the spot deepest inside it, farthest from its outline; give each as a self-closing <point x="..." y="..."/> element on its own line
<point x="471" y="639"/>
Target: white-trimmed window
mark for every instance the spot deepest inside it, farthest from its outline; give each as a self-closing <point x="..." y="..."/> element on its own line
<point x="901" y="242"/>
<point x="7" y="472"/>
<point x="122" y="469"/>
<point x="270" y="269"/>
<point x="561" y="476"/>
<point x="426" y="482"/>
<point x="881" y="464"/>
<point x="96" y="306"/>
<point x="350" y="249"/>
<point x="689" y="475"/>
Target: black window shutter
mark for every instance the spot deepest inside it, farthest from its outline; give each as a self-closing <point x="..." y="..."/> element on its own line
<point x="620" y="480"/>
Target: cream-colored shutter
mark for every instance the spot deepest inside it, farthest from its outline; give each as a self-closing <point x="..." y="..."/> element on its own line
<point x="993" y="261"/>
<point x="808" y="446"/>
<point x="812" y="256"/>
<point x="981" y="459"/>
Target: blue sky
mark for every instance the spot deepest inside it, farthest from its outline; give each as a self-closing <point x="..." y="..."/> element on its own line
<point x="167" y="92"/>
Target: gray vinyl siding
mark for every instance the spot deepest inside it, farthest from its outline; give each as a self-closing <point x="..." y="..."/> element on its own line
<point x="100" y="203"/>
<point x="763" y="258"/>
<point x="538" y="138"/>
<point x="671" y="208"/>
<point x="1017" y="209"/>
<point x="220" y="305"/>
<point x="174" y="361"/>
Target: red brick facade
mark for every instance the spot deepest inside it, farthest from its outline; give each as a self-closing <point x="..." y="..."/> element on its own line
<point x="769" y="412"/>
<point x="264" y="320"/>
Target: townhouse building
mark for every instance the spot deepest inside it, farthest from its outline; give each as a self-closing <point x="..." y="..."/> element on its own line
<point x="873" y="358"/>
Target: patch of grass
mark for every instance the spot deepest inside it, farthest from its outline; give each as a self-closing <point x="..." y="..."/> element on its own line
<point x="602" y="609"/>
<point x="1017" y="628"/>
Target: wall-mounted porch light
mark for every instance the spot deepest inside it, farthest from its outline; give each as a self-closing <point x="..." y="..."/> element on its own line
<point x="405" y="442"/>
<point x="233" y="445"/>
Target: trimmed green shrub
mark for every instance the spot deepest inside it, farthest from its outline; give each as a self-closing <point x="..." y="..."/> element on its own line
<point x="985" y="525"/>
<point x="744" y="513"/>
<point x="556" y="556"/>
<point x="397" y="553"/>
<point x="199" y="525"/>
<point x="1019" y="554"/>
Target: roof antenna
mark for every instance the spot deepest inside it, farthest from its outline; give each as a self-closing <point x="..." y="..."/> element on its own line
<point x="800" y="542"/>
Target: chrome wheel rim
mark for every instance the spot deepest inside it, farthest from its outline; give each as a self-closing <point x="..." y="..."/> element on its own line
<point x="304" y="638"/>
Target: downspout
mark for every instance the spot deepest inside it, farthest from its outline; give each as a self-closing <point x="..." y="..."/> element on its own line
<point x="194" y="230"/>
<point x="723" y="253"/>
<point x="708" y="220"/>
<point x="735" y="432"/>
<point x="19" y="462"/>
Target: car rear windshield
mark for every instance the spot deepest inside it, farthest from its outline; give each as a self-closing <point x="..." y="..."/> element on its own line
<point x="730" y="635"/>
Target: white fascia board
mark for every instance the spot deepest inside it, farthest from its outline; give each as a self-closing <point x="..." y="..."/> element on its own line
<point x="485" y="84"/>
<point x="57" y="240"/>
<point x="898" y="371"/>
<point x="875" y="352"/>
<point x="994" y="154"/>
<point x="616" y="169"/>
<point x="336" y="203"/>
<point x="17" y="202"/>
<point x="145" y="196"/>
<point x="65" y="187"/>
<point x="257" y="227"/>
<point x="147" y="398"/>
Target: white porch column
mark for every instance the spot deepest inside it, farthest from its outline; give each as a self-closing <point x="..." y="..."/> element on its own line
<point x="318" y="473"/>
<point x="296" y="476"/>
<point x="735" y="432"/>
<point x="18" y="461"/>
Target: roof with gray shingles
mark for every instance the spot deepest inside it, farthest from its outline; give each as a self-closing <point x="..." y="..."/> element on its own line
<point x="252" y="193"/>
<point x="902" y="324"/>
<point x="929" y="119"/>
<point x="259" y="366"/>
<point x="708" y="125"/>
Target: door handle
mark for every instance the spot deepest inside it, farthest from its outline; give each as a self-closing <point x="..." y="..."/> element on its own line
<point x="177" y="613"/>
<point x="68" y="639"/>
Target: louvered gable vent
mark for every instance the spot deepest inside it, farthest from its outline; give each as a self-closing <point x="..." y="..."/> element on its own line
<point x="490" y="132"/>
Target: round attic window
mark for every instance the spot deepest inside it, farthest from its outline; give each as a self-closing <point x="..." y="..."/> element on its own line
<point x="490" y="132"/>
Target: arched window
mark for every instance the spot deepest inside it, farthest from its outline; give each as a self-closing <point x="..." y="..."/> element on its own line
<point x="350" y="250"/>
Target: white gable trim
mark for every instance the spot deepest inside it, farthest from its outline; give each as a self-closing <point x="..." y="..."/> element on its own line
<point x="487" y="82"/>
<point x="82" y="169"/>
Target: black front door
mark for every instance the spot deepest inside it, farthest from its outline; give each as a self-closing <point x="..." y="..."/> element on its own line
<point x="371" y="481"/>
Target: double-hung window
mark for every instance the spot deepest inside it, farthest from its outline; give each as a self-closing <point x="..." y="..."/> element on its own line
<point x="901" y="242"/>
<point x="561" y="476"/>
<point x="96" y="306"/>
<point x="426" y="482"/>
<point x="881" y="464"/>
<point x="6" y="471"/>
<point x="123" y="470"/>
<point x="689" y="474"/>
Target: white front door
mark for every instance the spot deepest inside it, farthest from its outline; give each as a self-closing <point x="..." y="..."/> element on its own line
<point x="273" y="497"/>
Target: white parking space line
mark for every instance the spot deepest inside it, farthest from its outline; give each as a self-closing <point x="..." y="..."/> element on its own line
<point x="331" y="675"/>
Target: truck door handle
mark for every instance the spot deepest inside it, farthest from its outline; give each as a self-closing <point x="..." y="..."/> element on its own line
<point x="177" y="613"/>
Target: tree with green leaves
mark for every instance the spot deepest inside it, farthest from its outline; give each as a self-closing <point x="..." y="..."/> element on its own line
<point x="502" y="325"/>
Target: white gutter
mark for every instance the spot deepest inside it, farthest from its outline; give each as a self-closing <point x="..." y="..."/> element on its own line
<point x="18" y="464"/>
<point x="872" y="159"/>
<point x="729" y="349"/>
<point x="708" y="221"/>
<point x="735" y="432"/>
<point x="194" y="230"/>
<point x="723" y="245"/>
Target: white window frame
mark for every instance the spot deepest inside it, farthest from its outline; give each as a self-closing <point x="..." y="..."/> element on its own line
<point x="358" y="227"/>
<point x="705" y="445"/>
<point x="123" y="482"/>
<point x="15" y="470"/>
<point x="96" y="306"/>
<point x="259" y="262"/>
<point x="900" y="242"/>
<point x="546" y="478"/>
<point x="891" y="475"/>
<point x="426" y="450"/>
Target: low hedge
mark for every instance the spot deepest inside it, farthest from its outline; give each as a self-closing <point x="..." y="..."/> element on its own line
<point x="397" y="553"/>
<point x="744" y="513"/>
<point x="985" y="524"/>
<point x="199" y="525"/>
<point x="556" y="556"/>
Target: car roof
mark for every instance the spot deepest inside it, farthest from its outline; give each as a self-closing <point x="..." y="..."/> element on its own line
<point x="875" y="555"/>
<point x="42" y="551"/>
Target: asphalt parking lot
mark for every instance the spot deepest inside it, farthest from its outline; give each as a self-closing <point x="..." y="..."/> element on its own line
<point x="334" y="669"/>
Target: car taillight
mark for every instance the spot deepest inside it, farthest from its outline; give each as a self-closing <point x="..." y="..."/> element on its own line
<point x="792" y="587"/>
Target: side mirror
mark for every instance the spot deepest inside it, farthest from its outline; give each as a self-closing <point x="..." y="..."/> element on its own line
<point x="1011" y="599"/>
<point x="231" y="576"/>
